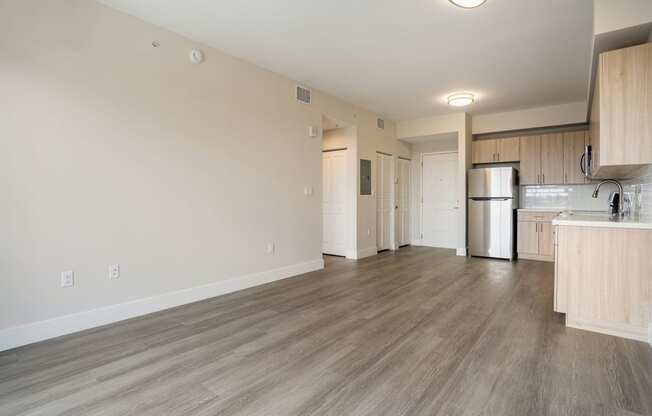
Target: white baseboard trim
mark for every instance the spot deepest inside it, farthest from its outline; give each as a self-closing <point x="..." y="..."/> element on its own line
<point x="39" y="331"/>
<point x="461" y="252"/>
<point x="417" y="242"/>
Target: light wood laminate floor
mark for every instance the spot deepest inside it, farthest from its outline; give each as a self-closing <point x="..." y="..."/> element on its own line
<point x="417" y="332"/>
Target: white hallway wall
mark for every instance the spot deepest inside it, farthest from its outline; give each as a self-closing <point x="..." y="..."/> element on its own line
<point x="439" y="143"/>
<point x="459" y="125"/>
<point x="112" y="151"/>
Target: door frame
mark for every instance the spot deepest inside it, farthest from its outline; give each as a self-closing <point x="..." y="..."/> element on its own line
<point x="347" y="208"/>
<point x="445" y="152"/>
<point x="408" y="207"/>
<point x="392" y="197"/>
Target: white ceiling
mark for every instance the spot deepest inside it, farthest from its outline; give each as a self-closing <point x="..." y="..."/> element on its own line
<point x="400" y="58"/>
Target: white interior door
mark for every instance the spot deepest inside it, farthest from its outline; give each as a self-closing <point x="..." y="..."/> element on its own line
<point x="334" y="239"/>
<point x="440" y="206"/>
<point x="403" y="186"/>
<point x="384" y="203"/>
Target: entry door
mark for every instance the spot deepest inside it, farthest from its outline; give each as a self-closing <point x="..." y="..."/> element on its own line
<point x="384" y="204"/>
<point x="403" y="184"/>
<point x="334" y="239"/>
<point x="440" y="207"/>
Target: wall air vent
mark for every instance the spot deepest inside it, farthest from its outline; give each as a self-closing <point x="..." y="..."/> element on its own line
<point x="381" y="124"/>
<point x="303" y="95"/>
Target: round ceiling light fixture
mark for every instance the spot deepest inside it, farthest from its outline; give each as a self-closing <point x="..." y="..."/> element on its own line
<point x="468" y="4"/>
<point x="461" y="99"/>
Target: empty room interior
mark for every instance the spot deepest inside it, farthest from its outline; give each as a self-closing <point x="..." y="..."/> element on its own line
<point x="347" y="208"/>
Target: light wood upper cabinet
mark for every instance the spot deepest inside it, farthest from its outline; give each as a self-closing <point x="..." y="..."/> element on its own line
<point x="495" y="150"/>
<point x="530" y="156"/>
<point x="552" y="159"/>
<point x="574" y="143"/>
<point x="621" y="121"/>
<point x="484" y="151"/>
<point x="508" y="149"/>
<point x="594" y="131"/>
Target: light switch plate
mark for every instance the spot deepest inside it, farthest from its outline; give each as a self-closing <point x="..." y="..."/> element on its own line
<point x="114" y="271"/>
<point x="270" y="248"/>
<point x="67" y="278"/>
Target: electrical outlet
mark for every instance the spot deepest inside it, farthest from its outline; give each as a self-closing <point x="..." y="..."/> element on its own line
<point x="368" y="231"/>
<point x="114" y="271"/>
<point x="67" y="278"/>
<point x="308" y="190"/>
<point x="270" y="248"/>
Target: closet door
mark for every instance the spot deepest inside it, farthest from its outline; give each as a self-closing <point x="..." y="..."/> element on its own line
<point x="334" y="233"/>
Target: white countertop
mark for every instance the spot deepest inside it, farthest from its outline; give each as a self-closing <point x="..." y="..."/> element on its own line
<point x="602" y="220"/>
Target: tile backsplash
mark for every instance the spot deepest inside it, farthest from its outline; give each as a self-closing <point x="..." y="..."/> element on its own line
<point x="565" y="197"/>
<point x="638" y="192"/>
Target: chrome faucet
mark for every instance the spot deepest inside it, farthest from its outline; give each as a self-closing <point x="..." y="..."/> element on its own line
<point x="620" y="208"/>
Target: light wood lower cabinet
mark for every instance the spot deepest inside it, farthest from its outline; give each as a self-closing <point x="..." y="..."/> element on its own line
<point x="603" y="279"/>
<point x="535" y="235"/>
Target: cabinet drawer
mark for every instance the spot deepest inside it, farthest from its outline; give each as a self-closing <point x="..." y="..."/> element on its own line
<point x="545" y="216"/>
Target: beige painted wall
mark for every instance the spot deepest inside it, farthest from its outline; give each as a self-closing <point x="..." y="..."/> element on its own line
<point x="555" y="115"/>
<point x="611" y="15"/>
<point x="112" y="151"/>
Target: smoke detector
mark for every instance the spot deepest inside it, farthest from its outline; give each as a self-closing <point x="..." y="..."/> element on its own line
<point x="196" y="56"/>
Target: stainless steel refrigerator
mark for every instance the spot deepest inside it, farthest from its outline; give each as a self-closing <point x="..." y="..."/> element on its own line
<point x="493" y="200"/>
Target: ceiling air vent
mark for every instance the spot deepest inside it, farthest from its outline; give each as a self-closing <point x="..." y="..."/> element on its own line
<point x="381" y="124"/>
<point x="303" y="95"/>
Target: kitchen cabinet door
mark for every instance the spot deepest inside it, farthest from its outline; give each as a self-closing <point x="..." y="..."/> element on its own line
<point x="508" y="149"/>
<point x="528" y="238"/>
<point x="594" y="128"/>
<point x="546" y="239"/>
<point x="625" y="85"/>
<point x="573" y="150"/>
<point x="530" y="155"/>
<point x="552" y="159"/>
<point x="484" y="151"/>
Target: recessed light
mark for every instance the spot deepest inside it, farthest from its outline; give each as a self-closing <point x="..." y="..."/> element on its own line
<point x="461" y="99"/>
<point x="468" y="4"/>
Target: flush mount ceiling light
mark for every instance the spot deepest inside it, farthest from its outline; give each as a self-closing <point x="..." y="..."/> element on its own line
<point x="461" y="99"/>
<point x="468" y="4"/>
